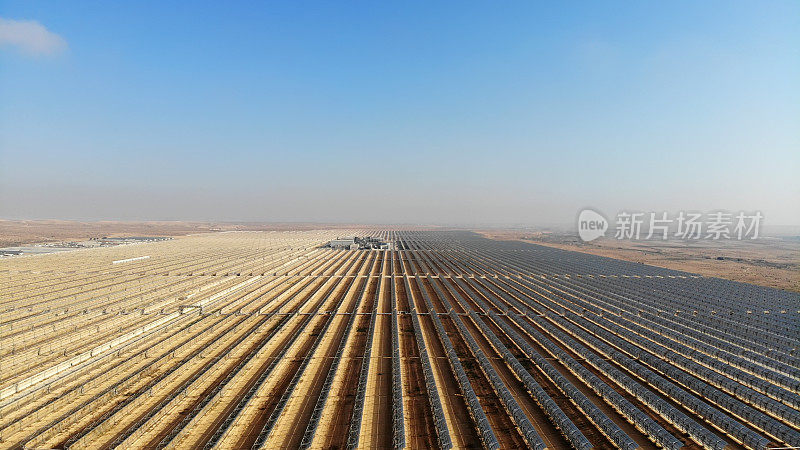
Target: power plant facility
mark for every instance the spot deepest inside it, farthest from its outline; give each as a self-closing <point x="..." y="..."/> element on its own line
<point x="359" y="243"/>
<point x="445" y="339"/>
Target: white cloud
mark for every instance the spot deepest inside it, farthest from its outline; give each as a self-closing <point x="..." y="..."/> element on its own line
<point x="30" y="37"/>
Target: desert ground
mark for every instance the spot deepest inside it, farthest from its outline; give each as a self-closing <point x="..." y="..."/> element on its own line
<point x="25" y="232"/>
<point x="772" y="261"/>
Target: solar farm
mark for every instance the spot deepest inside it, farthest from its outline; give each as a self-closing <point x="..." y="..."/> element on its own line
<point x="446" y="339"/>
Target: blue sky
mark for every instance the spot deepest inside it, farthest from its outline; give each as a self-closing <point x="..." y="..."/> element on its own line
<point x="467" y="112"/>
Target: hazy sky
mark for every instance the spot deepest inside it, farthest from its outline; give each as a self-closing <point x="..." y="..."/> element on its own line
<point x="509" y="112"/>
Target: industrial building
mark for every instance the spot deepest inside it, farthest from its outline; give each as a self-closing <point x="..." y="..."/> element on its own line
<point x="347" y="243"/>
<point x="360" y="243"/>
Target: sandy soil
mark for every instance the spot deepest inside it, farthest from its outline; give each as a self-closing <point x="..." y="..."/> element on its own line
<point x="22" y="232"/>
<point x="768" y="261"/>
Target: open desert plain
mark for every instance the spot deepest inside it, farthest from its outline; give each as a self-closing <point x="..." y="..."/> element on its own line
<point x="439" y="339"/>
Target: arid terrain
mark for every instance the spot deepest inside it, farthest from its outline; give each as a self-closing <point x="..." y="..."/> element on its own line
<point x="24" y="232"/>
<point x="772" y="261"/>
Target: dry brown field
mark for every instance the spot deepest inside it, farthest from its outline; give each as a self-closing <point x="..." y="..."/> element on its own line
<point x="772" y="261"/>
<point x="24" y="232"/>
